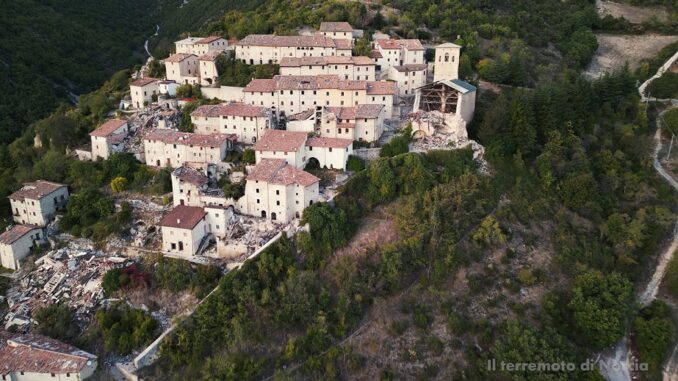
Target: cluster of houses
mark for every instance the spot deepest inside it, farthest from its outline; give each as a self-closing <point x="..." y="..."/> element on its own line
<point x="322" y="101"/>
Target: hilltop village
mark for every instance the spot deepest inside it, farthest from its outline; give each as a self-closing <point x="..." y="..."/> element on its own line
<point x="298" y="136"/>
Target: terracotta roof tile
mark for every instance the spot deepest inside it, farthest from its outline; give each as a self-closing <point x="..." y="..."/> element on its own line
<point x="277" y="171"/>
<point x="343" y="44"/>
<point x="39" y="354"/>
<point x="187" y="138"/>
<point x="36" y="190"/>
<point x="183" y="217"/>
<point x="411" y="44"/>
<point x="303" y="115"/>
<point x="17" y="231"/>
<point x="230" y="109"/>
<point x="207" y="40"/>
<point x="141" y="82"/>
<point x="190" y="175"/>
<point x="178" y="57"/>
<point x="108" y="128"/>
<point x="210" y="56"/>
<point x="325" y="60"/>
<point x="341" y="26"/>
<point x="281" y="141"/>
<point x="329" y="142"/>
<point x="287" y="41"/>
<point x="381" y="88"/>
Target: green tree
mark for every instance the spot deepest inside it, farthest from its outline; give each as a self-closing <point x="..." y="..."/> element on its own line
<point x="248" y="156"/>
<point x="57" y="321"/>
<point x="119" y="184"/>
<point x="599" y="304"/>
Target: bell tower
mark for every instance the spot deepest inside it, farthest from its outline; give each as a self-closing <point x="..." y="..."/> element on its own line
<point x="446" y="64"/>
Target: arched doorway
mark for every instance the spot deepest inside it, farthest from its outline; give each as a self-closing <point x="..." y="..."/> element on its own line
<point x="263" y="214"/>
<point x="312" y="163"/>
<point x="273" y="216"/>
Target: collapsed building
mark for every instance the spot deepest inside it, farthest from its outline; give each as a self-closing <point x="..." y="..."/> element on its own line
<point x="444" y="107"/>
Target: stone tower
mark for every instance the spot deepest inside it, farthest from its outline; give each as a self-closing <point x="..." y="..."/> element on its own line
<point x="446" y="64"/>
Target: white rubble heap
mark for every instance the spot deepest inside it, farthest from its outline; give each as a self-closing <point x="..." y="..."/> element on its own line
<point x="70" y="275"/>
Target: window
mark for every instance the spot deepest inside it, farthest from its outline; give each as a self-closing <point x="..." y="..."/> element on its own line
<point x="258" y="201"/>
<point x="277" y="202"/>
<point x="277" y="192"/>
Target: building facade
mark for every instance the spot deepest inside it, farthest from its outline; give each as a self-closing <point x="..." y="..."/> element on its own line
<point x="258" y="49"/>
<point x="201" y="45"/>
<point x="336" y="30"/>
<point x="36" y="203"/>
<point x="187" y="185"/>
<point x="142" y="91"/>
<point x="183" y="230"/>
<point x="408" y="77"/>
<point x="207" y="68"/>
<point x="398" y="53"/>
<point x="355" y="68"/>
<point x="298" y="150"/>
<point x="446" y="65"/>
<point x="361" y="122"/>
<point x="183" y="68"/>
<point x="294" y="94"/>
<point x="278" y="191"/>
<point x="164" y="147"/>
<point x="108" y="138"/>
<point x="247" y="122"/>
<point x="16" y="244"/>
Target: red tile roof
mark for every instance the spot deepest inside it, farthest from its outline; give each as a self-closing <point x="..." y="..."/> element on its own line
<point x="287" y="41"/>
<point x="277" y="171"/>
<point x="364" y="111"/>
<point x="325" y="60"/>
<point x="281" y="141"/>
<point x="329" y="142"/>
<point x="381" y="88"/>
<point x="211" y="55"/>
<point x="190" y="175"/>
<point x="39" y="354"/>
<point x="315" y="82"/>
<point x="36" y="190"/>
<point x="397" y="44"/>
<point x="340" y="26"/>
<point x="342" y="44"/>
<point x="183" y="217"/>
<point x="141" y="82"/>
<point x="15" y="233"/>
<point x="208" y="39"/>
<point x="376" y="54"/>
<point x="178" y="57"/>
<point x="230" y="109"/>
<point x="189" y="139"/>
<point x="108" y="128"/>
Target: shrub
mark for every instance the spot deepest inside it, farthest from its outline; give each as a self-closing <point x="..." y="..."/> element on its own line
<point x="248" y="156"/>
<point x="354" y="163"/>
<point x="118" y="184"/>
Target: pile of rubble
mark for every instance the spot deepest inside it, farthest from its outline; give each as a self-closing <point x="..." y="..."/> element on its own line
<point x="71" y="275"/>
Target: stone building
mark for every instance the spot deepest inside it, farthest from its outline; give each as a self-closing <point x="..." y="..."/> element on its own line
<point x="361" y="122"/>
<point x="446" y="64"/>
<point x="247" y="122"/>
<point x="108" y="138"/>
<point x="279" y="191"/>
<point x="257" y="49"/>
<point x="298" y="149"/>
<point x="16" y="243"/>
<point x="36" y="203"/>
<point x="183" y="230"/>
<point x="355" y="68"/>
<point x="201" y="45"/>
<point x="183" y="68"/>
<point x="142" y="91"/>
<point x="292" y="94"/>
<point x="408" y="77"/>
<point x="163" y="147"/>
<point x="398" y="53"/>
